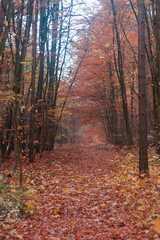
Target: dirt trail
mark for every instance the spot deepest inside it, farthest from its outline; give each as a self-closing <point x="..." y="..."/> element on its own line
<point x="79" y="195"/>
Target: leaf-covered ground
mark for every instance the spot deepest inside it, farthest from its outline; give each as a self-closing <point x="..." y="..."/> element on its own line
<point x="82" y="193"/>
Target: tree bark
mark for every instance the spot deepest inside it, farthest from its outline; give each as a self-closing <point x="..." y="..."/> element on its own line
<point x="39" y="98"/>
<point x="32" y="113"/>
<point x="157" y="76"/>
<point x="143" y="156"/>
<point x="52" y="74"/>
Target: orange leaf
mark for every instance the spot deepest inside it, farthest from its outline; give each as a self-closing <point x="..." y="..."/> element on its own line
<point x="156" y="224"/>
<point x="19" y="127"/>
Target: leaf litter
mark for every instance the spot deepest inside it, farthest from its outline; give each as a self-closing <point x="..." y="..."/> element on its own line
<point x="86" y="193"/>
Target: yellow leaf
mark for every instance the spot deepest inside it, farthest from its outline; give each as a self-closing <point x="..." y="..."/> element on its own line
<point x="112" y="218"/>
<point x="42" y="187"/>
<point x="6" y="23"/>
<point x="28" y="180"/>
<point x="85" y="197"/>
<point x="65" y="189"/>
<point x="103" y="205"/>
<point x="73" y="222"/>
<point x="19" y="236"/>
<point x="121" y="190"/>
<point x="30" y="207"/>
<point x="51" y="194"/>
<point x="107" y="45"/>
<point x="57" y="211"/>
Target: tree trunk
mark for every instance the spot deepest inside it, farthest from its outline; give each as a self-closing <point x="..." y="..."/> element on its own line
<point x="120" y="74"/>
<point x="132" y="98"/>
<point x="52" y="75"/>
<point x="143" y="156"/>
<point x="6" y="9"/>
<point x="114" y="118"/>
<point x="157" y="77"/>
<point x="39" y="98"/>
<point x="32" y="113"/>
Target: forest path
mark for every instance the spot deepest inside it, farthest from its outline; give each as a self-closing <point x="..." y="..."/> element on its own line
<point x="88" y="193"/>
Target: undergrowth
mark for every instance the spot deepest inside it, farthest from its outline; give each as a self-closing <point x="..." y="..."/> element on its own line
<point x="14" y="201"/>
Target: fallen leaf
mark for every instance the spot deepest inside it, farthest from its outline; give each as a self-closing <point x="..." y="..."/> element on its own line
<point x="156" y="224"/>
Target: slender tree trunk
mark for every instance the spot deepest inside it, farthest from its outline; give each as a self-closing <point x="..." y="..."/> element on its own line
<point x="114" y="117"/>
<point x="39" y="97"/>
<point x="157" y="77"/>
<point x="32" y="113"/>
<point x="43" y="35"/>
<point x="132" y="98"/>
<point x="21" y="50"/>
<point x="6" y="9"/>
<point x="54" y="14"/>
<point x="59" y="68"/>
<point x="120" y="74"/>
<point x="143" y="156"/>
<point x="52" y="75"/>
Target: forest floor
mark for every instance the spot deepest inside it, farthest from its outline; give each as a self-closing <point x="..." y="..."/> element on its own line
<point x="82" y="193"/>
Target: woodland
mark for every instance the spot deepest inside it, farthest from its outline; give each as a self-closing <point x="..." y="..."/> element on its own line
<point x="79" y="119"/>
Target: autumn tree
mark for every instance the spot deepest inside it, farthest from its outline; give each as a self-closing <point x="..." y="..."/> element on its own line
<point x="120" y="74"/>
<point x="106" y="73"/>
<point x="39" y="65"/>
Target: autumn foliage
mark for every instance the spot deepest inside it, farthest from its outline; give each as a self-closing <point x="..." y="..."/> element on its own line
<point x="72" y="118"/>
<point x="83" y="194"/>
